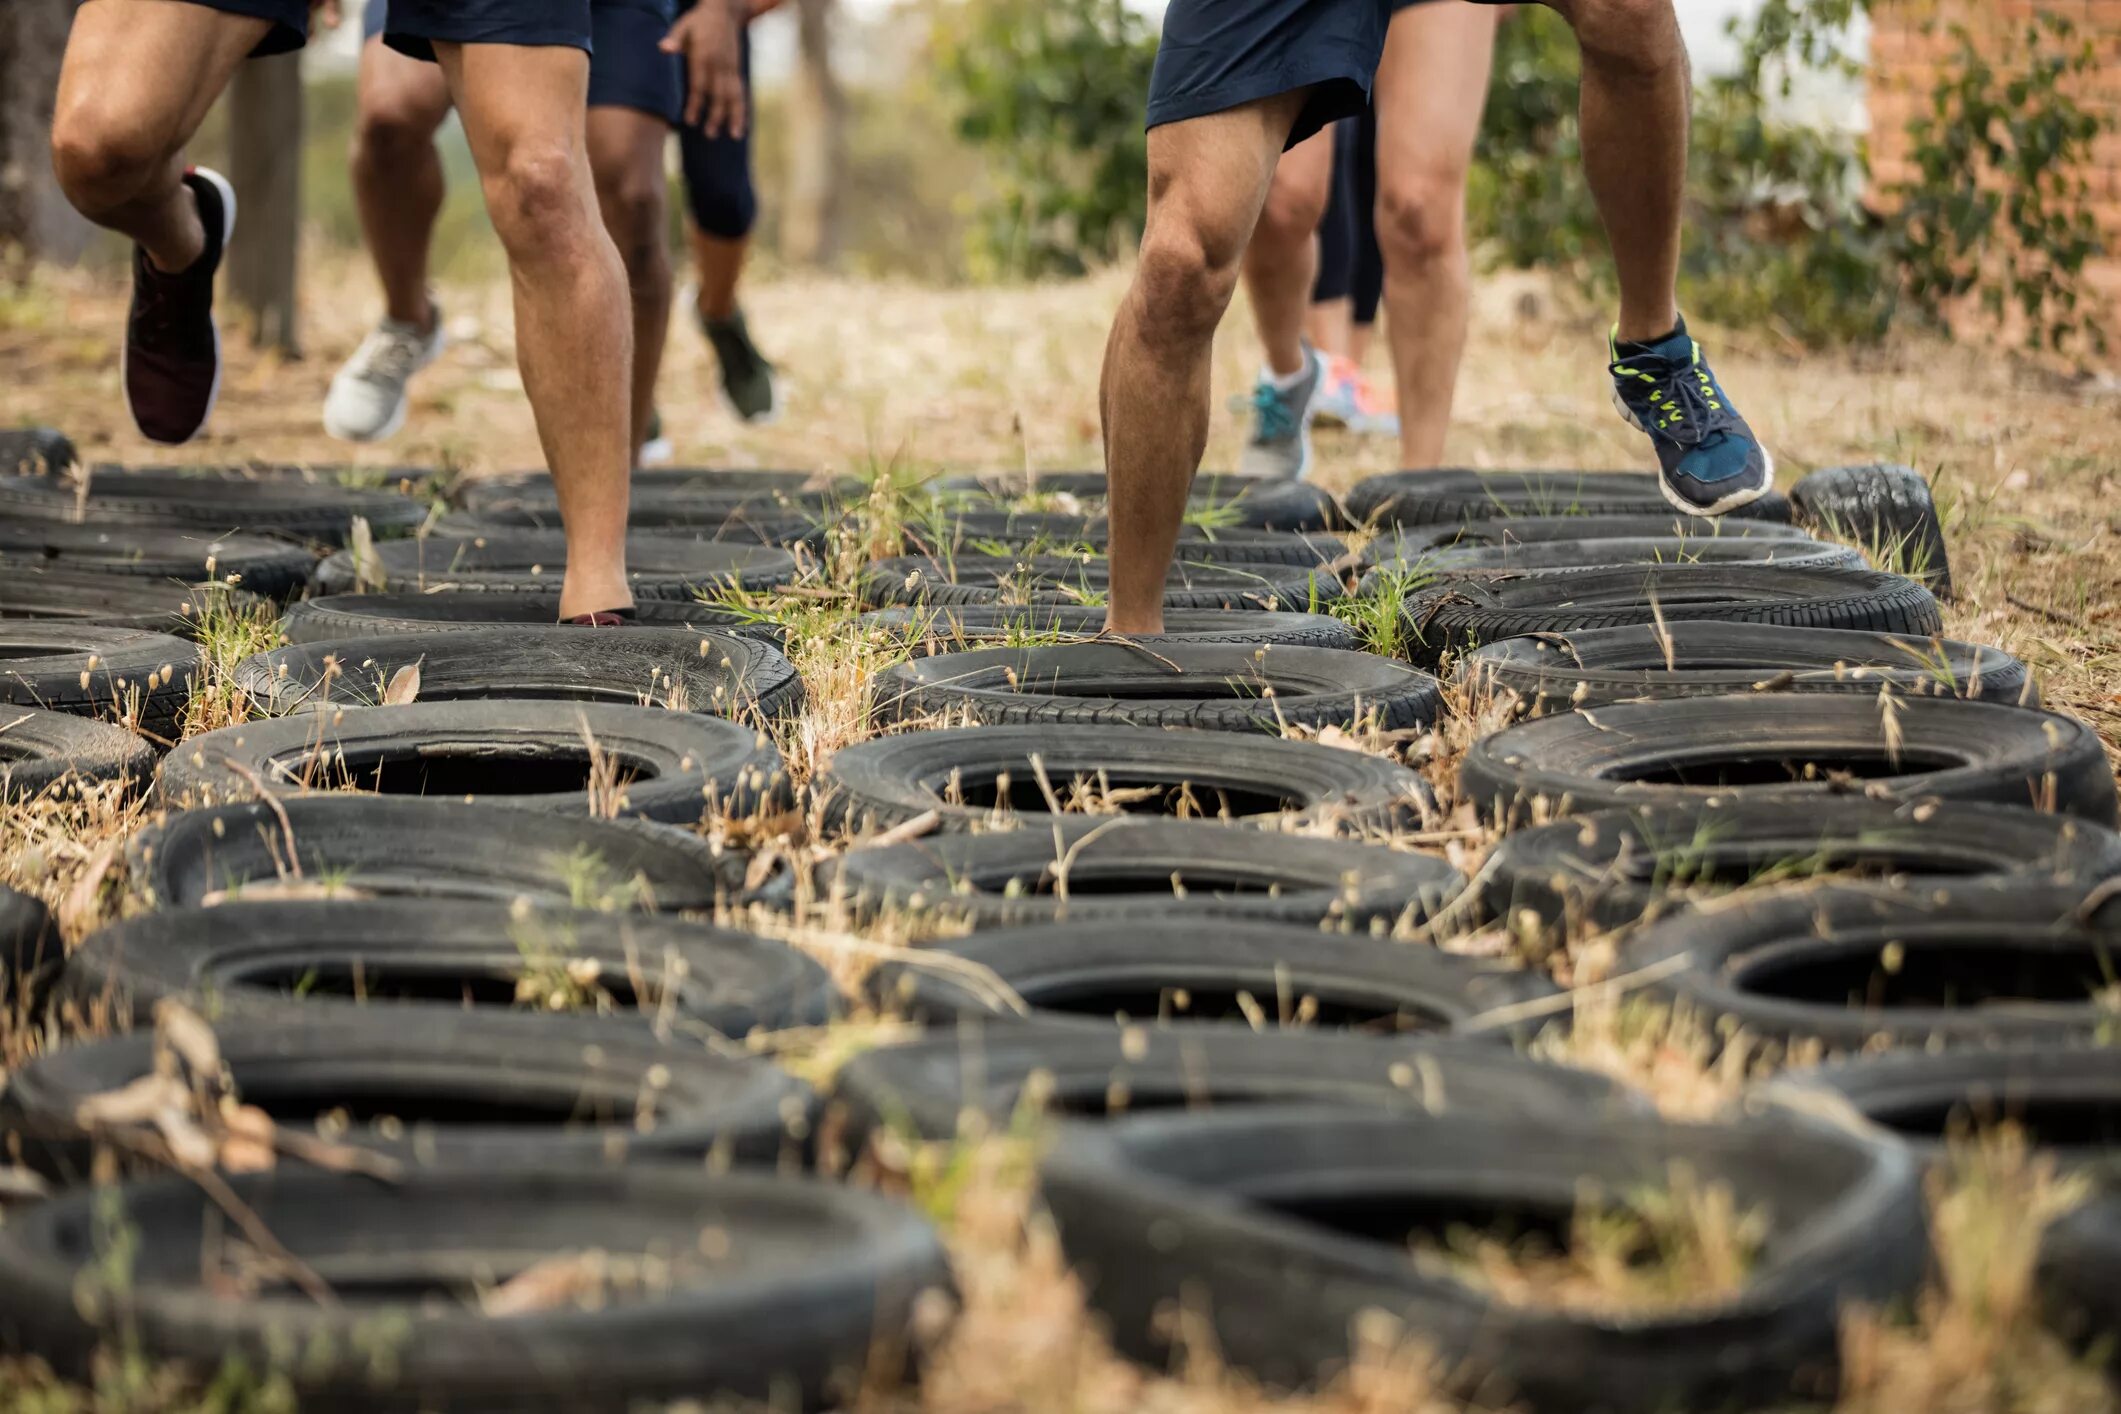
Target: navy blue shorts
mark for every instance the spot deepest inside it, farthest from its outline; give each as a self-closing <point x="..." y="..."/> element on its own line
<point x="1220" y="54"/>
<point x="416" y="24"/>
<point x="626" y="69"/>
<point x="290" y="21"/>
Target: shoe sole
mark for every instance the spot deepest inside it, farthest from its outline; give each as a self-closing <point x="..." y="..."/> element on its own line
<point x="1722" y="506"/>
<point x="213" y="394"/>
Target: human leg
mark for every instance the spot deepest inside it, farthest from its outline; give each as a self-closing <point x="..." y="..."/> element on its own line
<point x="1431" y="87"/>
<point x="398" y="190"/>
<point x="723" y="205"/>
<point x="1208" y="180"/>
<point x="136" y="82"/>
<point x="524" y="107"/>
<point x="1635" y="114"/>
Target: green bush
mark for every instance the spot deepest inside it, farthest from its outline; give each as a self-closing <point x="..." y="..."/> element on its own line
<point x="1778" y="233"/>
<point x="1051" y="92"/>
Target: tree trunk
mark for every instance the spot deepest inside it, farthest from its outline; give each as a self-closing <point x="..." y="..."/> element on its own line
<point x="34" y="216"/>
<point x="265" y="166"/>
<point x="816" y="144"/>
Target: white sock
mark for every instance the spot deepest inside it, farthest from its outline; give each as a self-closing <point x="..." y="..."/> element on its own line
<point x="1285" y="382"/>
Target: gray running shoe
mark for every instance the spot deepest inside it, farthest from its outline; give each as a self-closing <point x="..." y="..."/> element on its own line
<point x="367" y="398"/>
<point x="748" y="379"/>
<point x="1280" y="445"/>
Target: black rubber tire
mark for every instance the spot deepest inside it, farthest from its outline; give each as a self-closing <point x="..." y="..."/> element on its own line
<point x="93" y="671"/>
<point x="1789" y="748"/>
<point x="1222" y="688"/>
<point x="1470" y="613"/>
<point x="479" y="1091"/>
<point x="1058" y="579"/>
<point x="1411" y="544"/>
<point x="395" y="847"/>
<point x="658" y="567"/>
<point x="320" y="514"/>
<point x="1051" y="533"/>
<point x="1236" y="500"/>
<point x="259" y="564"/>
<point x="989" y="776"/>
<point x="765" y="1288"/>
<point x="717" y="674"/>
<point x="35" y="451"/>
<point x="1564" y="556"/>
<point x="421" y="483"/>
<point x="702" y="485"/>
<point x="407" y="958"/>
<point x="1615" y="868"/>
<point x="1555" y="672"/>
<point x="2065" y="1100"/>
<point x="1140" y="869"/>
<point x="1283" y="1228"/>
<point x="1398" y="498"/>
<point x="684" y="522"/>
<point x="28" y="946"/>
<point x="982" y="625"/>
<point x="675" y="767"/>
<point x="1944" y="964"/>
<point x="2079" y="1253"/>
<point x="930" y="1087"/>
<point x="366" y="615"/>
<point x="1887" y="510"/>
<point x="1200" y="972"/>
<point x="114" y="600"/>
<point x="41" y="749"/>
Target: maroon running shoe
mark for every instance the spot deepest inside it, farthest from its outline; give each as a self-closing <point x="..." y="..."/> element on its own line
<point x="172" y="349"/>
<point x="603" y="618"/>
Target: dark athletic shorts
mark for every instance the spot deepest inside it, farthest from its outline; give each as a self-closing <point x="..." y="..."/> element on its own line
<point x="1219" y="54"/>
<point x="626" y="70"/>
<point x="290" y="21"/>
<point x="416" y="24"/>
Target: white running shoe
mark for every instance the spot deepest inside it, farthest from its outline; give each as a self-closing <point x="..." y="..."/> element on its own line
<point x="367" y="398"/>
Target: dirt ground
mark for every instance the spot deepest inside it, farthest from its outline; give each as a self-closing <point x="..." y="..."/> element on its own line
<point x="2028" y="472"/>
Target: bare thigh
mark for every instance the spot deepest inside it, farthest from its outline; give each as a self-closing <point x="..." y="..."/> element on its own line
<point x="139" y="75"/>
<point x="407" y="94"/>
<point x="1209" y="176"/>
<point x="1431" y="88"/>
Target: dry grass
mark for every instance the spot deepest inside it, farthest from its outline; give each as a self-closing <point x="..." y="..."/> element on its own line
<point x="2026" y="467"/>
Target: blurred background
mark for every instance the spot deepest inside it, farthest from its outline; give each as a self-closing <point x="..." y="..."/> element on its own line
<point x="1852" y="169"/>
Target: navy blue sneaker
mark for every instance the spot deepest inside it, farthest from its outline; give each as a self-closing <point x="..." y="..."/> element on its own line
<point x="1709" y="460"/>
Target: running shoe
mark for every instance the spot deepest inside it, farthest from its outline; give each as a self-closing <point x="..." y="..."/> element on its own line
<point x="1348" y="399"/>
<point x="748" y="380"/>
<point x="172" y="360"/>
<point x="367" y="398"/>
<point x="1709" y="460"/>
<point x="1280" y="446"/>
<point x="657" y="449"/>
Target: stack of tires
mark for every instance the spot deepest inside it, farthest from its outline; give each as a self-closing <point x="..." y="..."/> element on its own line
<point x="420" y="975"/>
<point x="459" y="964"/>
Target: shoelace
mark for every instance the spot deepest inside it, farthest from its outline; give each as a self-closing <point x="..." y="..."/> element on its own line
<point x="1277" y="420"/>
<point x="1686" y="406"/>
<point x="387" y="358"/>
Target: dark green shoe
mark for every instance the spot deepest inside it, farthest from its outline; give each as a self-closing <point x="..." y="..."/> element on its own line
<point x="747" y="378"/>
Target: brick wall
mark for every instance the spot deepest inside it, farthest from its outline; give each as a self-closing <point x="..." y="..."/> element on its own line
<point x="1907" y="51"/>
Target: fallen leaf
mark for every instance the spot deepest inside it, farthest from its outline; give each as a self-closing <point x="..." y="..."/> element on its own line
<point x="82" y="908"/>
<point x="186" y="1033"/>
<point x="546" y="1285"/>
<point x="404" y="686"/>
<point x="135" y="1103"/>
<point x="248" y="1146"/>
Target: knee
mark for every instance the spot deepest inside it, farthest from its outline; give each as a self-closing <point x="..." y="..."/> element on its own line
<point x="1639" y="35"/>
<point x="633" y="205"/>
<point x="534" y="200"/>
<point x="103" y="156"/>
<point x="1292" y="213"/>
<point x="1421" y="218"/>
<point x="386" y="136"/>
<point x="1185" y="280"/>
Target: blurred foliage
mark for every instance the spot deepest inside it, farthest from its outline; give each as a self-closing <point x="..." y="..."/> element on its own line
<point x="1051" y="93"/>
<point x="1778" y="232"/>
